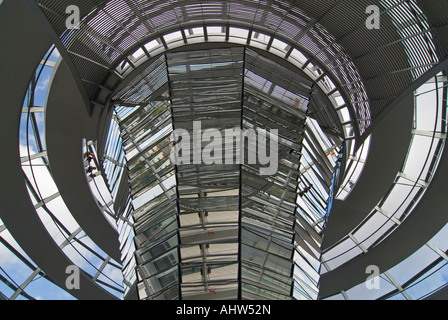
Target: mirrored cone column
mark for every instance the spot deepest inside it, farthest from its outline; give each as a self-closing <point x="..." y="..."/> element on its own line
<point x="206" y="90"/>
<point x="236" y="225"/>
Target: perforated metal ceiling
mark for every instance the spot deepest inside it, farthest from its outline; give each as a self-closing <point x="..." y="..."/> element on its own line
<point x="371" y="67"/>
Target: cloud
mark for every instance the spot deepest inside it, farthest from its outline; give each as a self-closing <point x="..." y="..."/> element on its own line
<point x="7" y="258"/>
<point x="43" y="84"/>
<point x="55" y="55"/>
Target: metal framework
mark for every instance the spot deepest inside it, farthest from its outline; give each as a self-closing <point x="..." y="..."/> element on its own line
<point x="147" y="70"/>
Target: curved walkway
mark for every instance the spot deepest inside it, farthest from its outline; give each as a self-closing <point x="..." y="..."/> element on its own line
<point x="429" y="217"/>
<point x="18" y="60"/>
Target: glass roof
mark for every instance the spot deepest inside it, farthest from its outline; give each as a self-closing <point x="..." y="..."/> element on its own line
<point x="225" y="230"/>
<point x="397" y="205"/>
